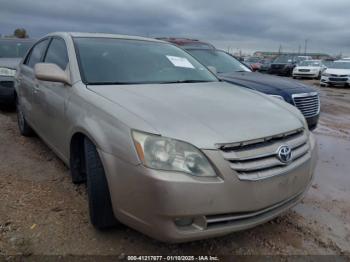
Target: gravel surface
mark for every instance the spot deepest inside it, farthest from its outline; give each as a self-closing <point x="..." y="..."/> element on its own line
<point x="43" y="213"/>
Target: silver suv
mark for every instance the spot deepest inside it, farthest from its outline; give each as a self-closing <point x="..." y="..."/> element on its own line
<point x="163" y="146"/>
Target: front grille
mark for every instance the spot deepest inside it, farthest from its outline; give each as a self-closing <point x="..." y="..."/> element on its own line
<point x="304" y="70"/>
<point x="338" y="79"/>
<point x="339" y="75"/>
<point x="307" y="103"/>
<point x="255" y="160"/>
<point x="9" y="84"/>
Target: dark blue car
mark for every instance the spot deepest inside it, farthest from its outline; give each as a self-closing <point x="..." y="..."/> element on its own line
<point x="229" y="69"/>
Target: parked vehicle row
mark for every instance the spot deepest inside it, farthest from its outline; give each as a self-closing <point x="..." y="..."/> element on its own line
<point x="330" y="73"/>
<point x="283" y="65"/>
<point x="163" y="145"/>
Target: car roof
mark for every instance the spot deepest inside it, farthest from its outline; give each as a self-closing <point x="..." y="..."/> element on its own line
<point x="104" y="35"/>
<point x="187" y="42"/>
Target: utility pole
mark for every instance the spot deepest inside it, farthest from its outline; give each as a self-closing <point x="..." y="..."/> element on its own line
<point x="280" y="49"/>
<point x="299" y="49"/>
<point x="305" y="46"/>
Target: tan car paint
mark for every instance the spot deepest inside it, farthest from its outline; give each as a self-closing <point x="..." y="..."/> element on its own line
<point x="151" y="200"/>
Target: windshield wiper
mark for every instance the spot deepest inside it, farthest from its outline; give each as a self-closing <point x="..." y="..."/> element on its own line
<point x="111" y="83"/>
<point x="185" y="81"/>
<point x="150" y="82"/>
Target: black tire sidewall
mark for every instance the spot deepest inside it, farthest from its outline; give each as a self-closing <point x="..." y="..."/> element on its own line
<point x="23" y="126"/>
<point x="100" y="205"/>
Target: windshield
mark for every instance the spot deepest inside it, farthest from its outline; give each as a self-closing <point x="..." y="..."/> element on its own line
<point x="14" y="48"/>
<point x="310" y="63"/>
<point x="121" y="61"/>
<point x="223" y="62"/>
<point x="340" y="65"/>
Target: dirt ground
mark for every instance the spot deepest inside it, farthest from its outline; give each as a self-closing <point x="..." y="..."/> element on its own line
<point x="42" y="212"/>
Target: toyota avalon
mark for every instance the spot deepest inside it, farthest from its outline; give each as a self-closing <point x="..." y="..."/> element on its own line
<point x="163" y="146"/>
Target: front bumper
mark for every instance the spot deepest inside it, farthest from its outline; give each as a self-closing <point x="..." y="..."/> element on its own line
<point x="7" y="90"/>
<point x="333" y="80"/>
<point x="305" y="74"/>
<point x="151" y="201"/>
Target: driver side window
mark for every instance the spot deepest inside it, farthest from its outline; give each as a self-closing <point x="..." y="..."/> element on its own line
<point x="36" y="53"/>
<point x="57" y="53"/>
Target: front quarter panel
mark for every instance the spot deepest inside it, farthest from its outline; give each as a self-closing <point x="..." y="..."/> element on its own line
<point x="106" y="124"/>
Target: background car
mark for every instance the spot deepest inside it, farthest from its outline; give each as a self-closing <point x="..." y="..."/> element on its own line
<point x="337" y="73"/>
<point x="253" y="62"/>
<point x="11" y="52"/>
<point x="283" y="65"/>
<point x="229" y="69"/>
<point x="265" y="65"/>
<point x="309" y="69"/>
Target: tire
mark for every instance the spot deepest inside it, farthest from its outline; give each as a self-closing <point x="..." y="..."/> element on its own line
<point x="23" y="126"/>
<point x="100" y="205"/>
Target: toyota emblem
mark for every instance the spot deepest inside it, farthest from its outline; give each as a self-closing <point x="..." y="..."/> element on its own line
<point x="284" y="154"/>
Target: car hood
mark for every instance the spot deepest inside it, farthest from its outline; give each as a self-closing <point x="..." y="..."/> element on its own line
<point x="204" y="114"/>
<point x="268" y="84"/>
<point x="10" y="62"/>
<point x="335" y="71"/>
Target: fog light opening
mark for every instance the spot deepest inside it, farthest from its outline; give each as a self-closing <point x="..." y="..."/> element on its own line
<point x="184" y="222"/>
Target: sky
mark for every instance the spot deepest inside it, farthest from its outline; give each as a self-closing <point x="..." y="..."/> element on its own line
<point x="232" y="25"/>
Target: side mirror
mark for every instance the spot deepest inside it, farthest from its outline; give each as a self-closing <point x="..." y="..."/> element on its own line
<point x="51" y="72"/>
<point x="213" y="70"/>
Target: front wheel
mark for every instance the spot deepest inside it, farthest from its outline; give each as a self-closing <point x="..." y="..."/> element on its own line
<point x="23" y="126"/>
<point x="100" y="205"/>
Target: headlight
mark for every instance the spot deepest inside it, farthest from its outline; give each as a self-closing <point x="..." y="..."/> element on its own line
<point x="163" y="153"/>
<point x="7" y="72"/>
<point x="278" y="97"/>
